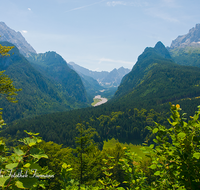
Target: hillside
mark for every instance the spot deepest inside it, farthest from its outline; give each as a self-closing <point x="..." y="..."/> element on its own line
<point x="54" y="67"/>
<point x="142" y="97"/>
<point x="39" y="95"/>
<point x="156" y="79"/>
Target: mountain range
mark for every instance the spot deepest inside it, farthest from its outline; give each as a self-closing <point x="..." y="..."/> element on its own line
<point x="50" y="76"/>
<point x="191" y="39"/>
<point x="40" y="93"/>
<point x="143" y="95"/>
<point x="104" y="78"/>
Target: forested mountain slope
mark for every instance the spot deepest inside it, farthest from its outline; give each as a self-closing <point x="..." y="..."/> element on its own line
<point x="39" y="94"/>
<point x="142" y="97"/>
<point x="91" y="85"/>
<point x="156" y="79"/>
<point x="54" y="67"/>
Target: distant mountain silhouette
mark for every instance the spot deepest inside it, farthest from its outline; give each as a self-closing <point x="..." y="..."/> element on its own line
<point x="105" y="78"/>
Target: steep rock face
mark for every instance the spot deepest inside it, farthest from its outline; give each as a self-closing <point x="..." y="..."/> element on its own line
<point x="15" y="38"/>
<point x="185" y="50"/>
<point x="190" y="39"/>
<point x="114" y="77"/>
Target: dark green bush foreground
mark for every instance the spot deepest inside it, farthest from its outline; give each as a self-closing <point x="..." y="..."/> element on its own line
<point x="173" y="162"/>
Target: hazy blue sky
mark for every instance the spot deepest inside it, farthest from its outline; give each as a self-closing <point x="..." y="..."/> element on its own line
<point x="100" y="34"/>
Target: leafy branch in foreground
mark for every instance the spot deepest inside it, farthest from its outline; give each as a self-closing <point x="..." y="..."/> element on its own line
<point x="176" y="156"/>
<point x="21" y="170"/>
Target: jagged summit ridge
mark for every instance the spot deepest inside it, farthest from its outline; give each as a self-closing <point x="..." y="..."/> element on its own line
<point x="190" y="39"/>
<point x="16" y="38"/>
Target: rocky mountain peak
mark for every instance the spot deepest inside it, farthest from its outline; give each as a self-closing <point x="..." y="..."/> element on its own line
<point x="16" y="38"/>
<point x="190" y="39"/>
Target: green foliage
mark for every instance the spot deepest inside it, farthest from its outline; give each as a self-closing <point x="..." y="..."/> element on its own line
<point x="7" y="89"/>
<point x="177" y="163"/>
<point x="85" y="145"/>
<point x="175" y="158"/>
<point x="107" y="181"/>
<point x="188" y="56"/>
<point x="57" y="155"/>
<point x="5" y="49"/>
<point x="20" y="169"/>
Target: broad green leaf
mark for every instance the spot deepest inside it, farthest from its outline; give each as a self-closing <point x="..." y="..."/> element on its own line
<point x="11" y="166"/>
<point x="174" y="123"/>
<point x="37" y="153"/>
<point x="151" y="146"/>
<point x="19" y="184"/>
<point x="35" y="166"/>
<point x="27" y="182"/>
<point x="181" y="135"/>
<point x="133" y="181"/>
<point x="27" y="165"/>
<point x="155" y="130"/>
<point x="130" y="170"/>
<point x="65" y="166"/>
<point x="196" y="155"/>
<point x="30" y="141"/>
<point x="154" y="140"/>
<point x="153" y="166"/>
<point x="157" y="173"/>
<point x="39" y="140"/>
<point x="18" y="151"/>
<point x="3" y="180"/>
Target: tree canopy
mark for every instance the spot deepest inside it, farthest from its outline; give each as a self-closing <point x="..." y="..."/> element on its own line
<point x="7" y="89"/>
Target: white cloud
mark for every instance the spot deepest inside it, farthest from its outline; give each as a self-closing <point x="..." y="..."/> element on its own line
<point x="114" y="3"/>
<point x="114" y="61"/>
<point x="82" y="7"/>
<point x="24" y="31"/>
<point x="135" y="3"/>
<point x="29" y="9"/>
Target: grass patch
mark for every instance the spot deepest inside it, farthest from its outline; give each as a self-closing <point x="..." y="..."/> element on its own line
<point x="134" y="148"/>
